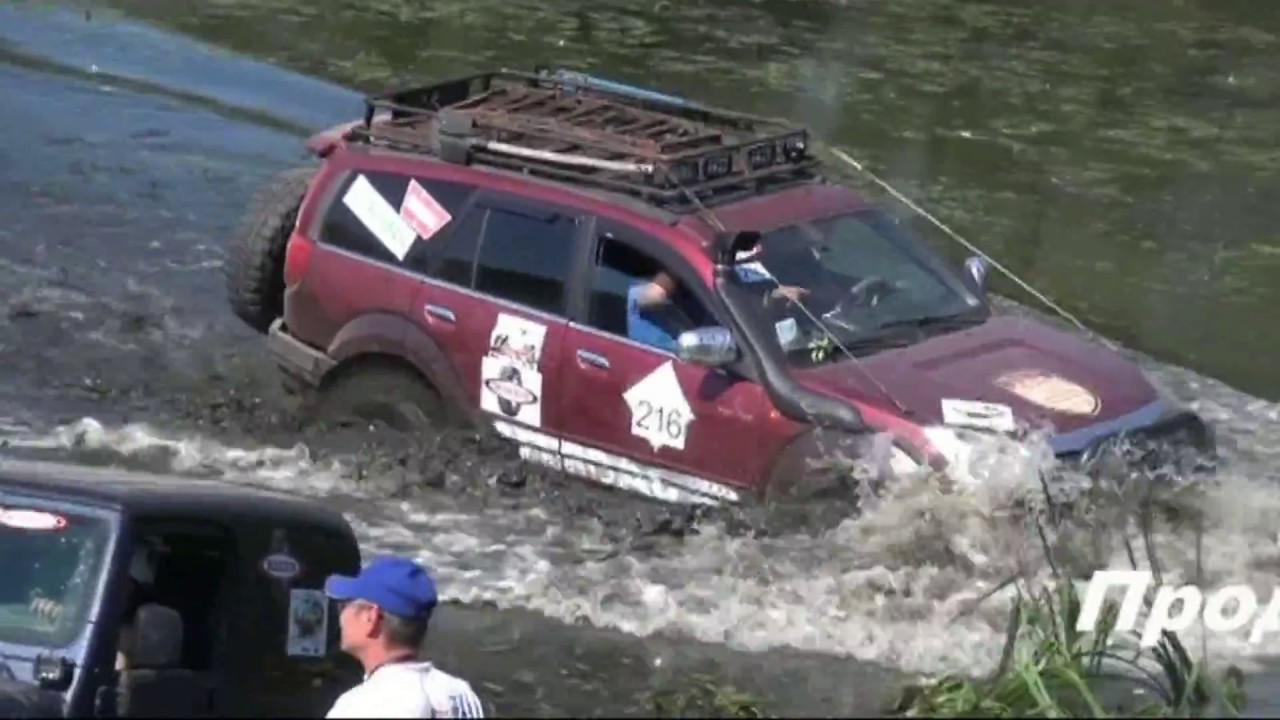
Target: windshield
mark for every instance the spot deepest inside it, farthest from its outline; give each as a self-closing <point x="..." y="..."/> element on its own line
<point x="861" y="278"/>
<point x="47" y="555"/>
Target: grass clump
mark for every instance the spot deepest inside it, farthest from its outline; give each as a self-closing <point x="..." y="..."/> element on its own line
<point x="705" y="696"/>
<point x="1048" y="668"/>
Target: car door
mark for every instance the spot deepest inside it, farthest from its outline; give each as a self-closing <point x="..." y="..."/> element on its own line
<point x="635" y="415"/>
<point x="494" y="299"/>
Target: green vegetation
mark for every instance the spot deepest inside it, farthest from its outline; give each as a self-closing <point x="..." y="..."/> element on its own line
<point x="1050" y="669"/>
<point x="704" y="696"/>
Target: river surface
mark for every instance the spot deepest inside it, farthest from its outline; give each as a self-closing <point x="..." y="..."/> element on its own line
<point x="1123" y="159"/>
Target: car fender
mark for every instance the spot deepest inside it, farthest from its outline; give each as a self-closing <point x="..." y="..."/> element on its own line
<point x="793" y="473"/>
<point x="392" y="335"/>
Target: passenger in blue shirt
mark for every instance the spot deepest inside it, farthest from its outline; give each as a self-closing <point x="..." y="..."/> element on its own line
<point x="652" y="318"/>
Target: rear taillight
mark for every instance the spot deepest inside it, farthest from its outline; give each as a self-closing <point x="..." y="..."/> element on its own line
<point x="296" y="257"/>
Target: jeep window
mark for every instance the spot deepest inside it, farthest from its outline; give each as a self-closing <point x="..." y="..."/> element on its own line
<point x="342" y="229"/>
<point x="526" y="259"/>
<point x="51" y="559"/>
<point x="620" y="269"/>
<point x="866" y="280"/>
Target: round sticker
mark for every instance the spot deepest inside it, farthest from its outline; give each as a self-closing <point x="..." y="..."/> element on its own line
<point x="508" y="390"/>
<point x="281" y="566"/>
<point x="32" y="520"/>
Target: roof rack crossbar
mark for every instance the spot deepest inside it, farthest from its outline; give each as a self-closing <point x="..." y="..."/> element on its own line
<point x="576" y="129"/>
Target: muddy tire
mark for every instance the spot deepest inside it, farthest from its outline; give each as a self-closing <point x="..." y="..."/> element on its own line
<point x="383" y="393"/>
<point x="255" y="255"/>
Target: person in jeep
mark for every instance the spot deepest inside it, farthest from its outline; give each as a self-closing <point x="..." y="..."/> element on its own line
<point x="137" y="591"/>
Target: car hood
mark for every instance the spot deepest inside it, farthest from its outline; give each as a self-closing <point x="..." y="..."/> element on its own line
<point x="1045" y="376"/>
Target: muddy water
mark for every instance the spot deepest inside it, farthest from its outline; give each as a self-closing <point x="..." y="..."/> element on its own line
<point x="131" y="153"/>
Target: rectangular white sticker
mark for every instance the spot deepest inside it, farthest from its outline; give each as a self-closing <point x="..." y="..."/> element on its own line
<point x="421" y="211"/>
<point x="308" y="623"/>
<point x="979" y="415"/>
<point x="379" y="217"/>
<point x="510" y="383"/>
<point x="787" y="331"/>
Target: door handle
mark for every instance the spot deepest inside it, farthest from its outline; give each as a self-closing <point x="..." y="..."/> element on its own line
<point x="440" y="311"/>
<point x="596" y="359"/>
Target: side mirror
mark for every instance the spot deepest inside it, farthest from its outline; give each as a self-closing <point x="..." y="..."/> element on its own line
<point x="977" y="267"/>
<point x="710" y="346"/>
<point x="157" y="639"/>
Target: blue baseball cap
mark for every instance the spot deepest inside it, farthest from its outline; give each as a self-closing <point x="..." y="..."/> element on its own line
<point x="398" y="585"/>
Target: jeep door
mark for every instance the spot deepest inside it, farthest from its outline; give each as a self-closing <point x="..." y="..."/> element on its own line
<point x="493" y="297"/>
<point x="635" y="415"/>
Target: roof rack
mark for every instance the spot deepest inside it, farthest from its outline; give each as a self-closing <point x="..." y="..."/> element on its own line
<point x="575" y="128"/>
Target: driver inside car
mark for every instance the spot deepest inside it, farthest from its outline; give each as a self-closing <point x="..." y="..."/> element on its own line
<point x="653" y="315"/>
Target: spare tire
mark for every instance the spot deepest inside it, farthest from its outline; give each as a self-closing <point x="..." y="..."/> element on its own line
<point x="255" y="255"/>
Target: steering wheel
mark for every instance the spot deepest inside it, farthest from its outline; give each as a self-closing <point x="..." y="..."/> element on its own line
<point x="863" y="296"/>
<point x="868" y="291"/>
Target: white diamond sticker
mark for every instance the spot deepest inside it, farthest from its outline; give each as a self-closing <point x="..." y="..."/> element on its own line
<point x="659" y="411"/>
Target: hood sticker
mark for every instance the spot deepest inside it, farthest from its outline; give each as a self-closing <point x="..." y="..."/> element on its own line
<point x="978" y="415"/>
<point x="659" y="411"/>
<point x="379" y="217"/>
<point x="422" y="212"/>
<point x="31" y="519"/>
<point x="510" y="381"/>
<point x="1052" y="392"/>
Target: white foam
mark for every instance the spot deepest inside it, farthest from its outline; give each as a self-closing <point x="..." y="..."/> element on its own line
<point x="895" y="585"/>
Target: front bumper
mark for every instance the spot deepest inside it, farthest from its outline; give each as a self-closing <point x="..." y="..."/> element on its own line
<point x="1153" y="434"/>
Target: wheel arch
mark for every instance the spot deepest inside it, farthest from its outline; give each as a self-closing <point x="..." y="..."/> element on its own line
<point x="384" y="339"/>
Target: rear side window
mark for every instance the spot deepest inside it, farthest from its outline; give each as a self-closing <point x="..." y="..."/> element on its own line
<point x="343" y="228"/>
<point x="526" y="259"/>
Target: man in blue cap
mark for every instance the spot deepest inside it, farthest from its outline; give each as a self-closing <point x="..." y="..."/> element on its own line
<point x="383" y="617"/>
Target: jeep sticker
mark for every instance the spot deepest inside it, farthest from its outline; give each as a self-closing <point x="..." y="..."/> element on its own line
<point x="979" y="415"/>
<point x="510" y="382"/>
<point x="659" y="411"/>
<point x="281" y="566"/>
<point x="379" y="217"/>
<point x="421" y="211"/>
<point x="308" y="623"/>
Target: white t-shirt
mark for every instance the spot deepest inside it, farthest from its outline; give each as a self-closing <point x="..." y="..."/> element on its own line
<point x="409" y="690"/>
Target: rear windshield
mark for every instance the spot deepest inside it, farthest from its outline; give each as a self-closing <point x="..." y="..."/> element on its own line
<point x="52" y="563"/>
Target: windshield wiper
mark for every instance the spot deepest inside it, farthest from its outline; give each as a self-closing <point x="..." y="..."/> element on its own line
<point x="956" y="320"/>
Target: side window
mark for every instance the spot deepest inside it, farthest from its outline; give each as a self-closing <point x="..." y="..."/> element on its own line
<point x="343" y="228"/>
<point x="455" y="260"/>
<point x="526" y="259"/>
<point x="190" y="563"/>
<point x="621" y="272"/>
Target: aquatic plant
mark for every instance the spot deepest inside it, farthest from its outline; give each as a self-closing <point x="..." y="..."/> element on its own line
<point x="705" y="696"/>
<point x="1048" y="668"/>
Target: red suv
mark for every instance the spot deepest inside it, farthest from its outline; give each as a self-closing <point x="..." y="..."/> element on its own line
<point x="650" y="293"/>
